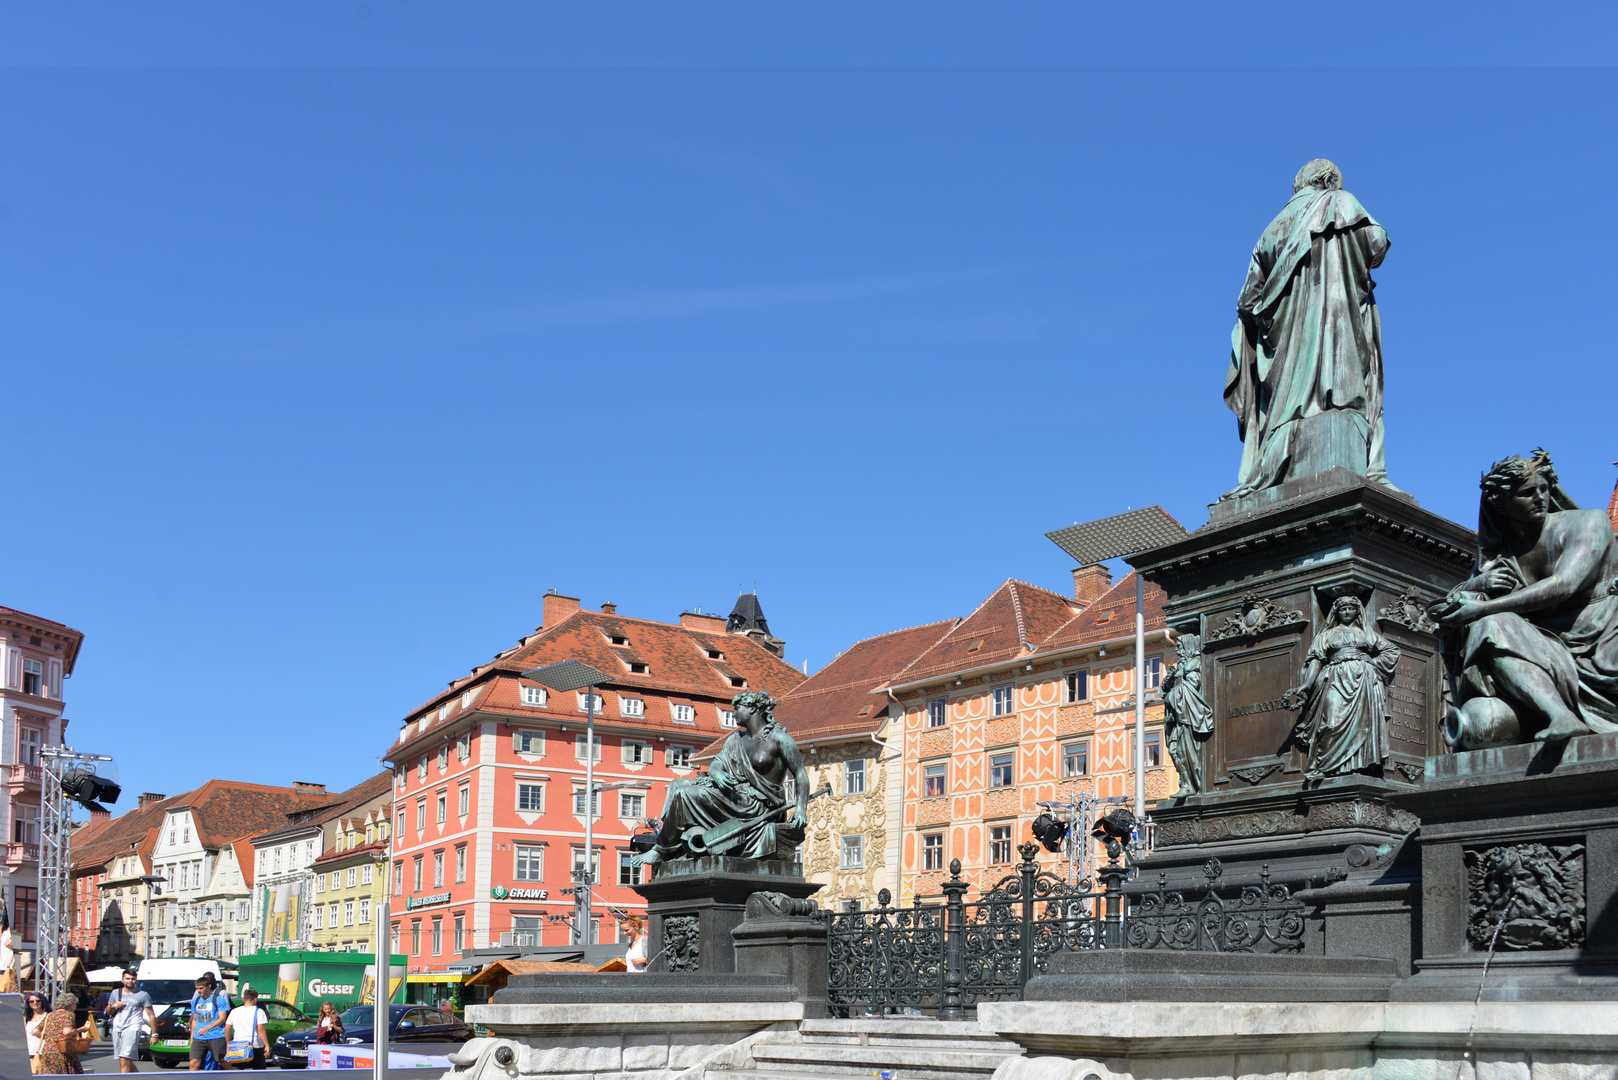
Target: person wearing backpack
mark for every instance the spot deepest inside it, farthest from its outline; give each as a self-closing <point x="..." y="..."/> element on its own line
<point x="247" y="1022"/>
<point x="210" y="1006"/>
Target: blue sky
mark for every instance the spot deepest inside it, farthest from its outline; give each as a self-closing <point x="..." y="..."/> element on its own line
<point x="334" y="337"/>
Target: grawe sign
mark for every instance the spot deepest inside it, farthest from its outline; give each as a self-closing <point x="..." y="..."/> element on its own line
<point x="504" y="892"/>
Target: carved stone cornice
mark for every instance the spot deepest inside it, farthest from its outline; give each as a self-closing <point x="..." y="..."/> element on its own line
<point x="1343" y="814"/>
<point x="1254" y="773"/>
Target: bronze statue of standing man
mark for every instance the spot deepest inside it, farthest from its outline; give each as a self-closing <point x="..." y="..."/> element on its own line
<point x="1305" y="376"/>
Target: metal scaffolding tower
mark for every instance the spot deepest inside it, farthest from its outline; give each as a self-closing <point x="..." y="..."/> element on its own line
<point x="56" y="832"/>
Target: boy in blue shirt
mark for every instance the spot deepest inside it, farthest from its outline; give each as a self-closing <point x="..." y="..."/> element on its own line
<point x="209" y="1008"/>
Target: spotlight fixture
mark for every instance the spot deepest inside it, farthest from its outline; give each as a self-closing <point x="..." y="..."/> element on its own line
<point x="89" y="790"/>
<point x="1050" y="831"/>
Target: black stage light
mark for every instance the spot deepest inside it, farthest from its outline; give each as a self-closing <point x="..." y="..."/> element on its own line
<point x="89" y="790"/>
<point x="1050" y="831"/>
<point x="1116" y="824"/>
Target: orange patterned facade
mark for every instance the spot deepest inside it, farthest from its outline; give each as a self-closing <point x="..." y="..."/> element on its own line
<point x="1028" y="699"/>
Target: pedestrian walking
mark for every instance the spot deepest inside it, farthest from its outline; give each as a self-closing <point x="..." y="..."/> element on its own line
<point x="330" y="1027"/>
<point x="210" y="1006"/>
<point x="61" y="1041"/>
<point x="126" y="1007"/>
<point x="635" y="959"/>
<point x="34" y="1013"/>
<point x="246" y="1023"/>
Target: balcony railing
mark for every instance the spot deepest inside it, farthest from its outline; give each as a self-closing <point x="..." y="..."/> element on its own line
<point x="20" y="854"/>
<point x="22" y="777"/>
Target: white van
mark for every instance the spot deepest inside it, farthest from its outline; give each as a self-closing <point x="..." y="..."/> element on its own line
<point x="171" y="979"/>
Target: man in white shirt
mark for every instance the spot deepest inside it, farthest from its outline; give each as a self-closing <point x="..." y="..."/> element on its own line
<point x="125" y="1006"/>
<point x="246" y="1022"/>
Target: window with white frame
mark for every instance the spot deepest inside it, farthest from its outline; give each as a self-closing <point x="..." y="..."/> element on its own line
<point x="853" y="852"/>
<point x="33" y="673"/>
<point x="331" y="916"/>
<point x="25" y="824"/>
<point x="353" y="874"/>
<point x="529" y="864"/>
<point x="595" y="861"/>
<point x="677" y="757"/>
<point x="443" y="807"/>
<point x="533" y="696"/>
<point x="727" y="717"/>
<point x="1078" y="686"/>
<point x="348" y="913"/>
<point x="320" y="883"/>
<point x="464" y="799"/>
<point x="28" y="743"/>
<point x="684" y="714"/>
<point x="365" y="874"/>
<point x="578" y="747"/>
<point x="932" y="851"/>
<point x="854" y="776"/>
<point x="438" y="869"/>
<point x="463" y="746"/>
<point x="365" y="910"/>
<point x="999" y="843"/>
<point x="421" y="815"/>
<point x="578" y="803"/>
<point x="1076" y="758"/>
<point x="443" y="758"/>
<point x="628" y="872"/>
<point x="632" y="706"/>
<point x="531" y="798"/>
<point x="320" y="917"/>
<point x="1154" y="748"/>
<point x="421" y="767"/>
<point x="528" y="742"/>
<point x="636" y="752"/>
<point x="1000" y="770"/>
<point x="591" y="702"/>
<point x="1005" y="700"/>
<point x="932" y="779"/>
<point x="631" y="804"/>
<point x="937" y="713"/>
<point x="1153" y="672"/>
<point x="460" y="863"/>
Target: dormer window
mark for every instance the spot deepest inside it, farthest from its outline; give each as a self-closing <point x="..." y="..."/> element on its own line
<point x="632" y="706"/>
<point x="466" y="699"/>
<point x="618" y="639"/>
<point x="685" y="714"/>
<point x="715" y="654"/>
<point x="975" y="646"/>
<point x="738" y="681"/>
<point x="533" y="695"/>
<point x="727" y="717"/>
<point x="640" y="669"/>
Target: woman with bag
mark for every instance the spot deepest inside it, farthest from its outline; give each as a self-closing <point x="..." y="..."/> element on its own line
<point x="330" y="1028"/>
<point x="35" y="1010"/>
<point x="60" y="1040"/>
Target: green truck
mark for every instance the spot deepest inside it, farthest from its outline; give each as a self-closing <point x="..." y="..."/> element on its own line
<point x="310" y="979"/>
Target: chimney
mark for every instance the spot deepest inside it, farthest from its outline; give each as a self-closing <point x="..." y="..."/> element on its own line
<point x="147" y="798"/>
<point x="104" y="814"/>
<point x="609" y="608"/>
<point x="558" y="607"/>
<point x="304" y="787"/>
<point x="1089" y="582"/>
<point x="708" y="624"/>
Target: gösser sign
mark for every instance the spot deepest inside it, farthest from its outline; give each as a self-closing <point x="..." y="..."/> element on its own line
<point x="320" y="988"/>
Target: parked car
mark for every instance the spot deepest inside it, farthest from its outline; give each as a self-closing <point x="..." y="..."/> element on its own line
<point x="172" y="1042"/>
<point x="406" y="1023"/>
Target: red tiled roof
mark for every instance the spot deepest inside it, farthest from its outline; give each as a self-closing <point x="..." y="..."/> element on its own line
<point x="243" y="848"/>
<point x="334" y="805"/>
<point x="1011" y="622"/>
<point x="121" y="833"/>
<point x="374" y="847"/>
<point x="226" y="810"/>
<point x="838" y="700"/>
<point x="1111" y="616"/>
<point x="676" y="656"/>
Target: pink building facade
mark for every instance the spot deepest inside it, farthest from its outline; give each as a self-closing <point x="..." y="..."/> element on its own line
<point x="36" y="656"/>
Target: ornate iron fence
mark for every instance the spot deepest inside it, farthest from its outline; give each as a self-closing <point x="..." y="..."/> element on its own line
<point x="947" y="957"/>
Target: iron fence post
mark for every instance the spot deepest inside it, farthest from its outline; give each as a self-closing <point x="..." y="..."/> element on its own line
<point x="1112" y="880"/>
<point x="951" y="1007"/>
<point x="1025" y="931"/>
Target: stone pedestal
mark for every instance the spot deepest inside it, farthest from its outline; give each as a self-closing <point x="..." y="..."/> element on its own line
<point x="693" y="905"/>
<point x="1257" y="583"/>
<point x="1523" y="839"/>
<point x="784" y="939"/>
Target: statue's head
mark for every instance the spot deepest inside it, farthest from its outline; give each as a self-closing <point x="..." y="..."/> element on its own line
<point x="756" y="702"/>
<point x="1520" y="491"/>
<point x="1319" y="174"/>
<point x="1347" y="610"/>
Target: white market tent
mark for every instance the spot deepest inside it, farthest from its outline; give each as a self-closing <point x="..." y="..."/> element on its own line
<point x="105" y="975"/>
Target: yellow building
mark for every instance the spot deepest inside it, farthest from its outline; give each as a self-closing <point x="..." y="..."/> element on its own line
<point x="350" y="880"/>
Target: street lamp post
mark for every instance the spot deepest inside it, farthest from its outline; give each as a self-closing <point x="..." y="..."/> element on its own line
<point x="151" y="882"/>
<point x="567" y="676"/>
<point x="1096" y="541"/>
